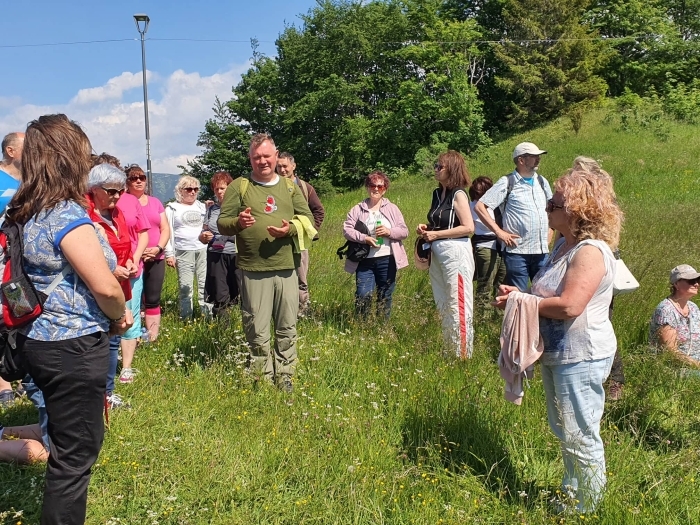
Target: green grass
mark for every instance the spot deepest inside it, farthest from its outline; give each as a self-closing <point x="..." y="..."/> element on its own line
<point x="381" y="428"/>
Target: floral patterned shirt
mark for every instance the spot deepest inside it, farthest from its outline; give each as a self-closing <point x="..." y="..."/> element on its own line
<point x="687" y="327"/>
<point x="70" y="311"/>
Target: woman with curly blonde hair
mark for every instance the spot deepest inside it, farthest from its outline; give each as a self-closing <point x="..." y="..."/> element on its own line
<point x="184" y="250"/>
<point x="575" y="288"/>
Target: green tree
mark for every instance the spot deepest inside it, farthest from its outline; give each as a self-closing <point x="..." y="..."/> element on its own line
<point x="225" y="142"/>
<point x="363" y="86"/>
<point x="548" y="60"/>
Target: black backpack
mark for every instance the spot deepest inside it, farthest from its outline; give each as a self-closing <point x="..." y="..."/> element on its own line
<point x="355" y="251"/>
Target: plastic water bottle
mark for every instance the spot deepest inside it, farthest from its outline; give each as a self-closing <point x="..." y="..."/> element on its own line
<point x="145" y="335"/>
<point x="380" y="240"/>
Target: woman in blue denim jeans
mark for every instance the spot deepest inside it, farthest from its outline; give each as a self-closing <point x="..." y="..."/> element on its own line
<point x="387" y="230"/>
<point x="576" y="286"/>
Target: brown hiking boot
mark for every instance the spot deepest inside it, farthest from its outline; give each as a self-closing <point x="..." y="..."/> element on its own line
<point x="614" y="391"/>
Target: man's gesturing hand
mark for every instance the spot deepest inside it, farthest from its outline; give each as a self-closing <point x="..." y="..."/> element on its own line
<point x="279" y="232"/>
<point x="245" y="219"/>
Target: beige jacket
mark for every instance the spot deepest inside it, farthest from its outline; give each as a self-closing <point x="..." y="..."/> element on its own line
<point x="521" y="344"/>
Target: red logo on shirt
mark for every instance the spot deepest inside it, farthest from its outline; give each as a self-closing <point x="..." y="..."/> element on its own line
<point x="270" y="205"/>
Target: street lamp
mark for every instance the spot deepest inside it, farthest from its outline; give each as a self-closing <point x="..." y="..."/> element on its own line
<point x="139" y="19"/>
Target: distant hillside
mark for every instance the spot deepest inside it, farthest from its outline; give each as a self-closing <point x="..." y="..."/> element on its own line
<point x="164" y="186"/>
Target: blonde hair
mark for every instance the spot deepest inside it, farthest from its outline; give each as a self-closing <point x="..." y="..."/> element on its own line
<point x="590" y="203"/>
<point x="185" y="181"/>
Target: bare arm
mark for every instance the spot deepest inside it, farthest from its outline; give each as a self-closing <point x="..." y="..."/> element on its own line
<point x="84" y="253"/>
<point x="581" y="280"/>
<point x="141" y="245"/>
<point x="509" y="239"/>
<point x="464" y="214"/>
<point x="668" y="339"/>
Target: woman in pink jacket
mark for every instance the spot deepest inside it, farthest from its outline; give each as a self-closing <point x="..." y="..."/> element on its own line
<point x="387" y="230"/>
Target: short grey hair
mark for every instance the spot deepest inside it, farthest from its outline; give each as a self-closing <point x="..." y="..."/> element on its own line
<point x="9" y="140"/>
<point x="105" y="174"/>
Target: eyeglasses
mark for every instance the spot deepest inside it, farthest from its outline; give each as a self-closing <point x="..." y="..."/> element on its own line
<point x="551" y="206"/>
<point x="375" y="186"/>
<point x="190" y="189"/>
<point x="135" y="178"/>
<point x="112" y="192"/>
<point x="691" y="282"/>
<point x="438" y="167"/>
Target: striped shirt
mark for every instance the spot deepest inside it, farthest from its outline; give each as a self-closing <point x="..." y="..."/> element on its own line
<point x="524" y="213"/>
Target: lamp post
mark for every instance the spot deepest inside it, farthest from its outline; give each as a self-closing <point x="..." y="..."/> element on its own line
<point x="139" y="19"/>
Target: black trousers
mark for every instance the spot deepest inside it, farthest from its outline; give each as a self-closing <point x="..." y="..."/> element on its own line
<point x="222" y="286"/>
<point x="71" y="374"/>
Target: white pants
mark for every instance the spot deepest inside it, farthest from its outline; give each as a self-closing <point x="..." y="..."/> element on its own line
<point x="191" y="266"/>
<point x="451" y="272"/>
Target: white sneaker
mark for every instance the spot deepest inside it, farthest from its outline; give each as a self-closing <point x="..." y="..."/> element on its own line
<point x="115" y="401"/>
<point x="127" y="375"/>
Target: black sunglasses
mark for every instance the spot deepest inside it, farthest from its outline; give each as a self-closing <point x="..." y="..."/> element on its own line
<point x="438" y="167"/>
<point x="134" y="178"/>
<point x="112" y="192"/>
<point x="551" y="206"/>
<point x="190" y="189"/>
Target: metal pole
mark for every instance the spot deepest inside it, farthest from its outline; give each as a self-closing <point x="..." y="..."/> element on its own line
<point x="149" y="174"/>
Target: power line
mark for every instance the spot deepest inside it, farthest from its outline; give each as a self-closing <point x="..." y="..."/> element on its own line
<point x="423" y="42"/>
<point x="70" y="43"/>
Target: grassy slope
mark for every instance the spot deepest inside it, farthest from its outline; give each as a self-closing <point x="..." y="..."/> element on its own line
<point x="381" y="428"/>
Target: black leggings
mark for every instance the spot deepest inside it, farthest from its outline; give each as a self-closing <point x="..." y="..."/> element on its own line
<point x="153" y="277"/>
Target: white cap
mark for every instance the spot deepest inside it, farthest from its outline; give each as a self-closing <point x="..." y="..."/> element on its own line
<point x="527" y="148"/>
<point x="683" y="271"/>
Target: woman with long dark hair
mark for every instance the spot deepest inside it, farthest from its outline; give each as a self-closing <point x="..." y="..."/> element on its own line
<point x="452" y="262"/>
<point x="66" y="349"/>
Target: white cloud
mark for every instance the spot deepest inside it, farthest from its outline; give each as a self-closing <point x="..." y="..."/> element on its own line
<point x="113" y="89"/>
<point x="179" y="105"/>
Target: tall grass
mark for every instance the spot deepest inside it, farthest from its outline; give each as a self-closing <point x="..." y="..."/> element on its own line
<point x="381" y="428"/>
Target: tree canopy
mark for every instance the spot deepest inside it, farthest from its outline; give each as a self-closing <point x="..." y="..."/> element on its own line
<point x="387" y="84"/>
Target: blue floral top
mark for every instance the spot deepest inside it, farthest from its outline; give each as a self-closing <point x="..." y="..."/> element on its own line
<point x="70" y="311"/>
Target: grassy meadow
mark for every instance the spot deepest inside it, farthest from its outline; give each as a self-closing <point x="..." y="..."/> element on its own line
<point x="381" y="428"/>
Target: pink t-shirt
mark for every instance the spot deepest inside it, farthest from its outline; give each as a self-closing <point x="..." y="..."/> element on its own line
<point x="152" y="210"/>
<point x="136" y="221"/>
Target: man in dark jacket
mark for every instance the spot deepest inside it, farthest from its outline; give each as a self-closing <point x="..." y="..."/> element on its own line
<point x="286" y="167"/>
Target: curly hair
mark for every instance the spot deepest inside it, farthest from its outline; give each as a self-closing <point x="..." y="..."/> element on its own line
<point x="457" y="173"/>
<point x="185" y="181"/>
<point x="220" y="176"/>
<point x="376" y="177"/>
<point x="590" y="203"/>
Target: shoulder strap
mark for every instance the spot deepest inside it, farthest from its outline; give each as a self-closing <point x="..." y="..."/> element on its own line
<point x="511" y="183"/>
<point x="66" y="270"/>
<point x="541" y="180"/>
<point x="243" y="188"/>
<point x="304" y="189"/>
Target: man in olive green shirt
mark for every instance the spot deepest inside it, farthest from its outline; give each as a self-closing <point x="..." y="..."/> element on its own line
<point x="259" y="213"/>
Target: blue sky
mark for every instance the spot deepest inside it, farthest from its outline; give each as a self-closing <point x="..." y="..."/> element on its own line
<point x="99" y="84"/>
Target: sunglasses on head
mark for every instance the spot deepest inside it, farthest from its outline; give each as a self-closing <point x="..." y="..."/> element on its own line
<point x="190" y="189"/>
<point x="112" y="192"/>
<point x="135" y="178"/>
<point x="551" y="206"/>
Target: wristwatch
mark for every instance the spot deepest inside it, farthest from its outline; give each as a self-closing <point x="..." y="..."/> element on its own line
<point x="160" y="249"/>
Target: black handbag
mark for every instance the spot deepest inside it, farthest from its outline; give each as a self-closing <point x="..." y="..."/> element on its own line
<point x="355" y="251"/>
